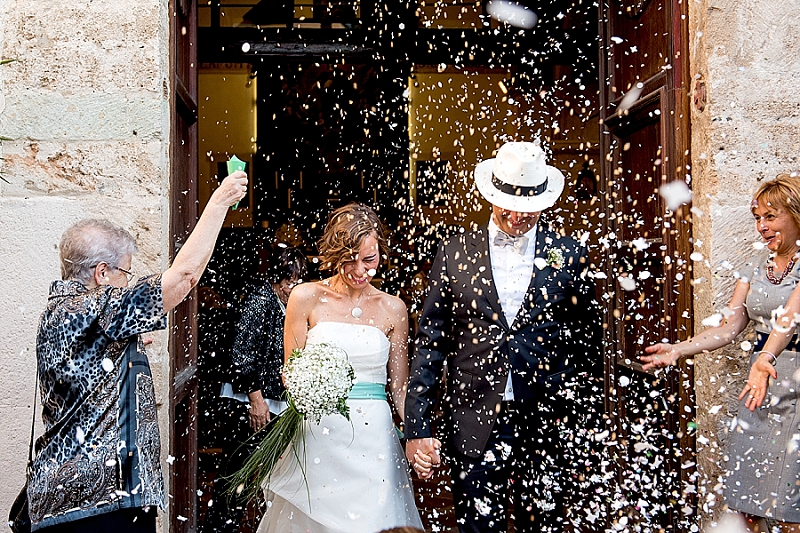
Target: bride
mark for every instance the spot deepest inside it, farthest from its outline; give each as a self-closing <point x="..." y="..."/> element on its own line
<point x="355" y="477"/>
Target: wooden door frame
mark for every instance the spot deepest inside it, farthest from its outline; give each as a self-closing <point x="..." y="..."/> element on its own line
<point x="182" y="483"/>
<point x="667" y="91"/>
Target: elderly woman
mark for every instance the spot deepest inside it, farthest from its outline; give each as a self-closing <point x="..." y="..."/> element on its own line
<point x="97" y="466"/>
<point x="764" y="459"/>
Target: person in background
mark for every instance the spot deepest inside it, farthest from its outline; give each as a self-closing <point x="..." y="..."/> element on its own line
<point x="97" y="465"/>
<point x="764" y="459"/>
<point x="255" y="394"/>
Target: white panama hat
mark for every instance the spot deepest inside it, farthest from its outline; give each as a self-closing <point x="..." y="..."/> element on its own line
<point x="518" y="179"/>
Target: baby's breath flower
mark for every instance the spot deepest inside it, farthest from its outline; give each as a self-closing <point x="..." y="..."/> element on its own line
<point x="555" y="258"/>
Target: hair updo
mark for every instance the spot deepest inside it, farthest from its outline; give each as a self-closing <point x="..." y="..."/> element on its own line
<point x="346" y="229"/>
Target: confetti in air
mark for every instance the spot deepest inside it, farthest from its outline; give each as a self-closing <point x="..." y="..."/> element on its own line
<point x="675" y="194"/>
<point x="512" y="13"/>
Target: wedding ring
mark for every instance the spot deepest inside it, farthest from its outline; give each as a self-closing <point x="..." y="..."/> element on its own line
<point x="752" y="397"/>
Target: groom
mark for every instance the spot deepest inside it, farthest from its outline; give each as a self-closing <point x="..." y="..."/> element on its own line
<point x="512" y="311"/>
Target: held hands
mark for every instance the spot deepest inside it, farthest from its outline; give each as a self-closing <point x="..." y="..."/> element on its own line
<point x="662" y="354"/>
<point x="231" y="190"/>
<point x="755" y="389"/>
<point x="423" y="455"/>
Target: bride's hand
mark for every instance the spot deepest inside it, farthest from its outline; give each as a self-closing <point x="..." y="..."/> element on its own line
<point x="423" y="463"/>
<point x="423" y="455"/>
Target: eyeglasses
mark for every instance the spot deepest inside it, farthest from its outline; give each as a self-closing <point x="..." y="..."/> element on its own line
<point x="128" y="274"/>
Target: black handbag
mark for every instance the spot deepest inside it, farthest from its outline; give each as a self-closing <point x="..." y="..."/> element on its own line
<point x="19" y="519"/>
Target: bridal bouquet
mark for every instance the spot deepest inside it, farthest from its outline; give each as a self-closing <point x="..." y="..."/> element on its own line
<point x="318" y="380"/>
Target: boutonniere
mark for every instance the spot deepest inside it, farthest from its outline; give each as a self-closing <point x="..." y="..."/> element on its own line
<point x="555" y="258"/>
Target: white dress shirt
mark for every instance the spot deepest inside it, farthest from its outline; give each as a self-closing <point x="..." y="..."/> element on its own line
<point x="511" y="272"/>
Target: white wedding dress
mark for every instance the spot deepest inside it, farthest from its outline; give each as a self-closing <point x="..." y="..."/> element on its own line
<point x="357" y="473"/>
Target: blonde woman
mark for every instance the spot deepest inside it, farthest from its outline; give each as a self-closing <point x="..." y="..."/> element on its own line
<point x="764" y="459"/>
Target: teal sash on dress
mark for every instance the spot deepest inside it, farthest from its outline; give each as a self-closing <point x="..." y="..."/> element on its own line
<point x="371" y="391"/>
<point x="368" y="391"/>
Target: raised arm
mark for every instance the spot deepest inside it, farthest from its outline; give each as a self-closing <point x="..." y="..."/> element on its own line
<point x="733" y="323"/>
<point x="398" y="355"/>
<point x="191" y="261"/>
<point x="783" y="329"/>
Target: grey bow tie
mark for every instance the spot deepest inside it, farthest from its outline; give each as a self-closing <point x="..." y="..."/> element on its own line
<point x="519" y="243"/>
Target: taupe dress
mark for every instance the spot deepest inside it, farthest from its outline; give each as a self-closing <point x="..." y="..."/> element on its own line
<point x="764" y="447"/>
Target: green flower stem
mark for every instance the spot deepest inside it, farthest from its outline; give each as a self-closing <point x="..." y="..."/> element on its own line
<point x="257" y="470"/>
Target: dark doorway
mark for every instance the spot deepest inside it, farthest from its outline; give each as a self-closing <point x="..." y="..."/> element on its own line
<point x="329" y="133"/>
<point x="333" y="126"/>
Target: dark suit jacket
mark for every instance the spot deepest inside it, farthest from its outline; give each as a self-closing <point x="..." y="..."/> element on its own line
<point x="257" y="352"/>
<point x="554" y="344"/>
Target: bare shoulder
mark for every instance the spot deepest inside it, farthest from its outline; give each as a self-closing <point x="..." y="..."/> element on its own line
<point x="308" y="292"/>
<point x="392" y="304"/>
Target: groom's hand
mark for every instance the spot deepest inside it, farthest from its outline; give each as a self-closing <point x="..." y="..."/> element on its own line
<point x="423" y="455"/>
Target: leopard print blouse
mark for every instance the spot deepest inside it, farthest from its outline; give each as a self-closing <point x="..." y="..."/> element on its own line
<point x="86" y="362"/>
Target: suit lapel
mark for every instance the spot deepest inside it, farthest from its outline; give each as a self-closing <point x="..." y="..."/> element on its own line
<point x="478" y="247"/>
<point x="539" y="276"/>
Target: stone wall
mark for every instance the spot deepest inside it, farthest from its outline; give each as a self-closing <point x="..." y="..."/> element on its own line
<point x="86" y="104"/>
<point x="747" y="54"/>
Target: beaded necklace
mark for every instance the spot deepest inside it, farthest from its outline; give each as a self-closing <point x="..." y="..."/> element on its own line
<point x="771" y="270"/>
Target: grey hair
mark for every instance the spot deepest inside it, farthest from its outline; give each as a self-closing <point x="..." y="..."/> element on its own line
<point x="90" y="242"/>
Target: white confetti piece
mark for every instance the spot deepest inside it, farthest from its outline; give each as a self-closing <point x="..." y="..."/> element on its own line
<point x="675" y="193"/>
<point x="512" y="13"/>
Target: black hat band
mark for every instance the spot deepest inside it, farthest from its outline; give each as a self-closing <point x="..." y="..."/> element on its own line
<point x="517" y="190"/>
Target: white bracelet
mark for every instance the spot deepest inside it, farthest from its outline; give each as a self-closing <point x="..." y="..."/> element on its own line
<point x="774" y="359"/>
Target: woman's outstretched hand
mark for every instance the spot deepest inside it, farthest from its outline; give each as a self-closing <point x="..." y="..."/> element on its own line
<point x="755" y="389"/>
<point x="662" y="354"/>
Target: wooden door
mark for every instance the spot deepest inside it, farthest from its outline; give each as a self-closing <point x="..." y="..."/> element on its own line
<point x="183" y="215"/>
<point x="645" y="116"/>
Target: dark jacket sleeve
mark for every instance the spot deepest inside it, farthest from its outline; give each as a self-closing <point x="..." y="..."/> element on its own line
<point x="588" y="332"/>
<point x="257" y="352"/>
<point x="432" y="343"/>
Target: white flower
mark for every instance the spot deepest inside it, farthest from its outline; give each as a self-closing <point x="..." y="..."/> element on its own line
<point x="483" y="506"/>
<point x="555" y="258"/>
<point x="318" y="379"/>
